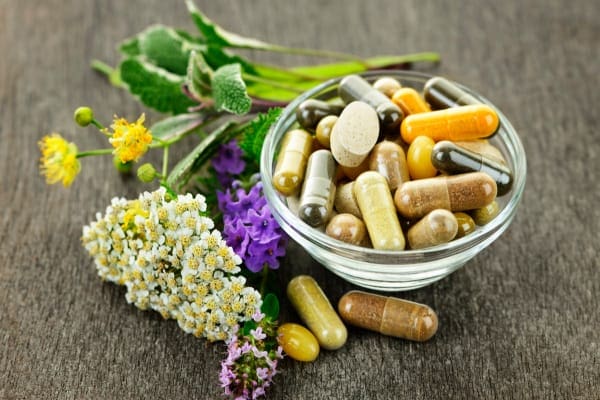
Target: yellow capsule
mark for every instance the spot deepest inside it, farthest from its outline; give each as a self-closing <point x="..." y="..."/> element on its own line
<point x="418" y="158"/>
<point x="291" y="164"/>
<point x="379" y="214"/>
<point x="388" y="315"/>
<point x="410" y="101"/>
<point x="323" y="132"/>
<point x="456" y="123"/>
<point x="316" y="311"/>
<point x="298" y="342"/>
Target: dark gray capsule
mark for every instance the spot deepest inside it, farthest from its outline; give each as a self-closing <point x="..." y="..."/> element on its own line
<point x="354" y="88"/>
<point x="311" y="111"/>
<point x="318" y="191"/>
<point x="452" y="159"/>
<point x="440" y="93"/>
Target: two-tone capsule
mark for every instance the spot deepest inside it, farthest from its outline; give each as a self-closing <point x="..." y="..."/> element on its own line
<point x="388" y="315"/>
<point x="291" y="164"/>
<point x="316" y="311"/>
<point x="458" y="123"/>
<point x="318" y="191"/>
<point x="389" y="160"/>
<point x="311" y="111"/>
<point x="377" y="208"/>
<point x="353" y="88"/>
<point x="461" y="192"/>
<point x="453" y="159"/>
<point x="437" y="227"/>
<point x="441" y="93"/>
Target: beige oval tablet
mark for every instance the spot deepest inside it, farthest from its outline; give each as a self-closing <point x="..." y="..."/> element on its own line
<point x="354" y="134"/>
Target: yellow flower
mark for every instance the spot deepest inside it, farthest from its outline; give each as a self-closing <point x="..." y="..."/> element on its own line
<point x="130" y="140"/>
<point x="59" y="159"/>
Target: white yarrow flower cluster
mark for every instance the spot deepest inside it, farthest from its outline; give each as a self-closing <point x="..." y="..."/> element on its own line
<point x="172" y="260"/>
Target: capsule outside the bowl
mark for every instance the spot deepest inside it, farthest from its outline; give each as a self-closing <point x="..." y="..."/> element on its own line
<point x="318" y="191"/>
<point x="354" y="87"/>
<point x="437" y="227"/>
<point x="461" y="192"/>
<point x="442" y="93"/>
<point x="458" y="123"/>
<point x="316" y="311"/>
<point x="298" y="342"/>
<point x="389" y="316"/>
<point x="291" y="163"/>
<point x="448" y="157"/>
<point x="377" y="208"/>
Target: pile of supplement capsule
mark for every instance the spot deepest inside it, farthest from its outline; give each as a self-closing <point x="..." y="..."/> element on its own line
<point x="391" y="169"/>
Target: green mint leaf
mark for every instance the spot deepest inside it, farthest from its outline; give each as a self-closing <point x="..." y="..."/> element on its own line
<point x="165" y="48"/>
<point x="217" y="57"/>
<point x="130" y="47"/>
<point x="172" y="128"/>
<point x="199" y="76"/>
<point x="191" y="163"/>
<point x="155" y="87"/>
<point x="219" y="37"/>
<point x="254" y="135"/>
<point x="248" y="326"/>
<point x="270" y="306"/>
<point x="229" y="90"/>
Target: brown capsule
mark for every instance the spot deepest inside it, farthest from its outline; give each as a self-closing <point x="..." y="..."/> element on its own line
<point x="466" y="225"/>
<point x="437" y="227"/>
<point x="388" y="315"/>
<point x="347" y="228"/>
<point x="461" y="192"/>
<point x="389" y="160"/>
<point x="345" y="201"/>
<point x="353" y="172"/>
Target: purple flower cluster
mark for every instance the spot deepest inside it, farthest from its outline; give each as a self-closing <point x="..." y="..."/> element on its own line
<point x="250" y="228"/>
<point x="249" y="367"/>
<point x="227" y="162"/>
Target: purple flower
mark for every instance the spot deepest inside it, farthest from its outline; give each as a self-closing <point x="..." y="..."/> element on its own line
<point x="236" y="234"/>
<point x="229" y="159"/>
<point x="265" y="253"/>
<point x="258" y="333"/>
<point x="262" y="373"/>
<point x="263" y="226"/>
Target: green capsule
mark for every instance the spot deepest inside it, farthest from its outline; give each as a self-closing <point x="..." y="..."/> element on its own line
<point x="466" y="225"/>
<point x="483" y="215"/>
<point x="311" y="111"/>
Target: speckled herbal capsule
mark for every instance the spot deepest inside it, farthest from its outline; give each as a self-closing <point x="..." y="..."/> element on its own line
<point x="291" y="162"/>
<point x="387" y="85"/>
<point x="410" y="101"/>
<point x="448" y="157"/>
<point x="316" y="311"/>
<point x="418" y="158"/>
<point x="457" y="123"/>
<point x="485" y="214"/>
<point x="298" y="342"/>
<point x="347" y="228"/>
<point x="353" y="87"/>
<point x="437" y="227"/>
<point x="388" y="315"/>
<point x="466" y="225"/>
<point x="354" y="134"/>
<point x="324" y="127"/>
<point x="441" y="93"/>
<point x="318" y="191"/>
<point x="389" y="160"/>
<point x="377" y="208"/>
<point x="461" y="192"/>
<point x="311" y="111"/>
<point x="345" y="200"/>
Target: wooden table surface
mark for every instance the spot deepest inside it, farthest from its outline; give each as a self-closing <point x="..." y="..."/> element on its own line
<point x="521" y="320"/>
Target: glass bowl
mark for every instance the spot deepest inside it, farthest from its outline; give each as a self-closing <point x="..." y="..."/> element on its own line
<point x="385" y="270"/>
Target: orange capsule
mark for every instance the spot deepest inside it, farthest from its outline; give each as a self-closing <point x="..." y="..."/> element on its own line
<point x="456" y="123"/>
<point x="410" y="101"/>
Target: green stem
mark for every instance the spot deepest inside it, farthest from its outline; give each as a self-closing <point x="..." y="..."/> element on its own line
<point x="98" y="125"/>
<point x="314" y="52"/>
<point x="113" y="74"/>
<point x="165" y="161"/>
<point x="254" y="78"/>
<point x="96" y="152"/>
<point x="263" y="281"/>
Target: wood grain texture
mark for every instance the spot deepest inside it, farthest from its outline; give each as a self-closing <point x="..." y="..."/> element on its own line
<point x="519" y="321"/>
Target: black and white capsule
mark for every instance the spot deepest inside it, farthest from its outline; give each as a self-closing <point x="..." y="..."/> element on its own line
<point x="354" y="88"/>
<point x="440" y="93"/>
<point x="452" y="159"/>
<point x="318" y="191"/>
<point x="311" y="111"/>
